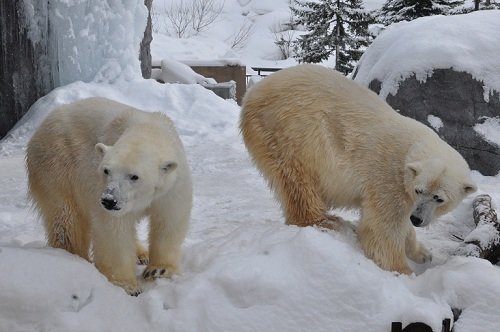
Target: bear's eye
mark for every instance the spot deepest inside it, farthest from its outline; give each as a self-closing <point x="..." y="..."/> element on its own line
<point x="418" y="191"/>
<point x="438" y="199"/>
<point x="106" y="171"/>
<point x="133" y="177"/>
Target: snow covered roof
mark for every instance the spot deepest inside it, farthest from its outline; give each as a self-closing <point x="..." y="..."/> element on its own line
<point x="468" y="42"/>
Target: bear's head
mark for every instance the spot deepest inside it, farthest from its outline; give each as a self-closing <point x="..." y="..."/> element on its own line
<point x="133" y="175"/>
<point x="435" y="188"/>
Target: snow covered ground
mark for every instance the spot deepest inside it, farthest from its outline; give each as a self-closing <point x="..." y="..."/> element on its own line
<point x="242" y="268"/>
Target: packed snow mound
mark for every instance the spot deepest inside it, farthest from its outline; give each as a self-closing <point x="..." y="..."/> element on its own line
<point x="77" y="290"/>
<point x="256" y="278"/>
<point x="467" y="43"/>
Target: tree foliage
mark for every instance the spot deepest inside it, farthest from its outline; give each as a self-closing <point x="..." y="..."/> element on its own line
<point x="406" y="10"/>
<point x="333" y="27"/>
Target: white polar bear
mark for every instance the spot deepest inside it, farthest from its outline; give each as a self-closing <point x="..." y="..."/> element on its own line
<point x="322" y="142"/>
<point x="95" y="168"/>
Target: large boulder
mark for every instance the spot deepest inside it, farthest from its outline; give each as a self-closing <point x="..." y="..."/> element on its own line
<point x="447" y="77"/>
<point x="452" y="103"/>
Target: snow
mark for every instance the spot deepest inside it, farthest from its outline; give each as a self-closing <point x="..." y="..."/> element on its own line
<point x="259" y="49"/>
<point x="435" y="122"/>
<point x="489" y="130"/>
<point x="484" y="234"/>
<point x="243" y="269"/>
<point x="462" y="42"/>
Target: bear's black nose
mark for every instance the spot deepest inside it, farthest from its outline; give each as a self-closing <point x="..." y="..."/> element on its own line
<point x="109" y="204"/>
<point x="416" y="221"/>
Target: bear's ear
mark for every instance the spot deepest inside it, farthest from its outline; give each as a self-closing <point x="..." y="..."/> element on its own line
<point x="168" y="167"/>
<point x="101" y="148"/>
<point x="413" y="169"/>
<point x="469" y="188"/>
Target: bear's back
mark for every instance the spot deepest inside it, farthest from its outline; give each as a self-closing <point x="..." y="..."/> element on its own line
<point x="313" y="88"/>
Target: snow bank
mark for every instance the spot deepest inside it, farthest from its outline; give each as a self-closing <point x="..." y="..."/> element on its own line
<point x="52" y="290"/>
<point x="462" y="285"/>
<point x="290" y="279"/>
<point x="466" y="43"/>
<point x="255" y="278"/>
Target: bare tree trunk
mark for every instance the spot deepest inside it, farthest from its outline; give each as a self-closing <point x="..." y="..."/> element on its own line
<point x="145" y="49"/>
<point x="337" y="44"/>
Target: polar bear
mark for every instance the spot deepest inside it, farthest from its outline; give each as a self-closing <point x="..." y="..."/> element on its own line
<point x="95" y="168"/>
<point x="322" y="141"/>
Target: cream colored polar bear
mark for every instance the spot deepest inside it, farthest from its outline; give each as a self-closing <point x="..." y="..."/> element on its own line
<point x="95" y="168"/>
<point x="322" y="142"/>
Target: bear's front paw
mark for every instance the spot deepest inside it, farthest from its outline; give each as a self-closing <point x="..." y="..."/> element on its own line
<point x="335" y="223"/>
<point x="158" y="271"/>
<point x="421" y="256"/>
<point x="131" y="288"/>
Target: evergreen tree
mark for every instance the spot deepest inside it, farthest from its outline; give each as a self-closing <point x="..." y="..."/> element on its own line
<point x="333" y="26"/>
<point x="400" y="10"/>
<point x="489" y="4"/>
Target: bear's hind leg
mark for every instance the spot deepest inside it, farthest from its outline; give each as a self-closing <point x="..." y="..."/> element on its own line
<point x="299" y="196"/>
<point x="294" y="185"/>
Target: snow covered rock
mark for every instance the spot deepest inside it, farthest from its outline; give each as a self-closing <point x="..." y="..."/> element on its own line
<point x="448" y="74"/>
<point x="455" y="99"/>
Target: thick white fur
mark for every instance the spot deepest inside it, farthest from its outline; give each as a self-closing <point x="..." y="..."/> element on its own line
<point x="66" y="158"/>
<point x="322" y="141"/>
